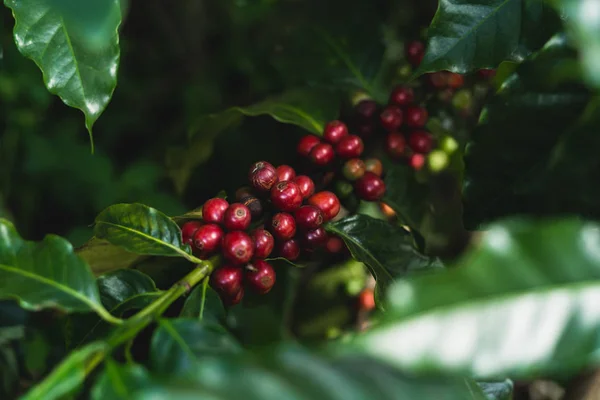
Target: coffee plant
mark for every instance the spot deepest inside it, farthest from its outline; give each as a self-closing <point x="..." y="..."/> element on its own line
<point x="300" y="199"/>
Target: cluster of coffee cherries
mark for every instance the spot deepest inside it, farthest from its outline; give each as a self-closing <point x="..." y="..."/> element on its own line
<point x="288" y="215"/>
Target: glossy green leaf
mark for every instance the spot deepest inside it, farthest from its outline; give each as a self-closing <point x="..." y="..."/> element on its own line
<point x="68" y="376"/>
<point x="206" y="302"/>
<point x="102" y="256"/>
<point x="142" y="230"/>
<point x="120" y="381"/>
<point x="521" y="304"/>
<point x="467" y="35"/>
<point x="386" y="249"/>
<point x="406" y="196"/>
<point x="84" y="76"/>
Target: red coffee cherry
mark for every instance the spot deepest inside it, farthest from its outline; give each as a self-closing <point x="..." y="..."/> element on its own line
<point x="236" y="299"/>
<point x="417" y="161"/>
<point x="420" y="141"/>
<point x="285" y="173"/>
<point x="213" y="210"/>
<point x="306" y="185"/>
<point x="327" y="202"/>
<point x="455" y="81"/>
<point x="286" y="196"/>
<point x="263" y="243"/>
<point x="290" y="249"/>
<point x="262" y="175"/>
<point x="188" y="230"/>
<point x="306" y="144"/>
<point x="438" y="80"/>
<point x="207" y="239"/>
<point x="227" y="280"/>
<point x="254" y="205"/>
<point x="353" y="169"/>
<point x="237" y="217"/>
<point x="350" y="147"/>
<point x="260" y="276"/>
<point x="391" y="117"/>
<point x="402" y="96"/>
<point x="322" y="154"/>
<point x="414" y="52"/>
<point x="334" y="131"/>
<point x="314" y="239"/>
<point x="374" y="165"/>
<point x="416" y="117"/>
<point x="283" y="226"/>
<point x="395" y="145"/>
<point x="370" y="187"/>
<point x="334" y="244"/>
<point x="237" y="247"/>
<point x="366" y="300"/>
<point x="366" y="110"/>
<point x="308" y="217"/>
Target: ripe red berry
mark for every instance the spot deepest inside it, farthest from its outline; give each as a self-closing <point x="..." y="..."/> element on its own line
<point x="262" y="175"/>
<point x="314" y="238"/>
<point x="455" y="81"/>
<point x="283" y="226"/>
<point x="353" y="169"/>
<point x="374" y="165"/>
<point x="438" y="80"/>
<point x="391" y="117"/>
<point x="290" y="249"/>
<point x="254" y="205"/>
<point x="207" y="239"/>
<point x="188" y="229"/>
<point x="366" y="300"/>
<point x="227" y="280"/>
<point x="306" y="185"/>
<point x="395" y="144"/>
<point x="213" y="210"/>
<point x="402" y="96"/>
<point x="420" y="141"/>
<point x="260" y="276"/>
<point x="237" y="247"/>
<point x="263" y="243"/>
<point x="306" y="144"/>
<point x="285" y="173"/>
<point x="414" y="51"/>
<point x="237" y="217"/>
<point x="327" y="202"/>
<point x="334" y="244"/>
<point x="416" y="161"/>
<point x="322" y="154"/>
<point x="366" y="110"/>
<point x="416" y="117"/>
<point x="286" y="196"/>
<point x="350" y="147"/>
<point x="233" y="300"/>
<point x="334" y="131"/>
<point x="370" y="187"/>
<point x="308" y="217"/>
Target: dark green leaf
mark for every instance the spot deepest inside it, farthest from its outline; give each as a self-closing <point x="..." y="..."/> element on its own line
<point x="467" y="35"/>
<point x="406" y="196"/>
<point x="141" y="229"/>
<point x="103" y="256"/>
<point x="120" y="381"/>
<point x="211" y="305"/>
<point x="521" y="304"/>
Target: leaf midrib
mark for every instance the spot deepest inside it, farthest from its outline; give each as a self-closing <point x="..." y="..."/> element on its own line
<point x="177" y="337"/>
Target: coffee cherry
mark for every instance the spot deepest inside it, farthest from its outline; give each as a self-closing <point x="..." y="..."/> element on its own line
<point x="213" y="210"/>
<point x="286" y="196"/>
<point x="486" y="73"/>
<point x="420" y="141"/>
<point x="237" y="217"/>
<point x="308" y="217"/>
<point x="306" y="144"/>
<point x="285" y="173"/>
<point x="414" y="52"/>
<point x="237" y="247"/>
<point x="416" y="161"/>
<point x="188" y="229"/>
<point x="455" y="81"/>
<point x="314" y="238"/>
<point x="402" y="96"/>
<point x="438" y="160"/>
<point x="322" y="154"/>
<point x="262" y="175"/>
<point x="387" y="210"/>
<point x="232" y="301"/>
<point x="416" y="117"/>
<point x="334" y="244"/>
<point x="263" y="243"/>
<point x="353" y="169"/>
<point x="374" y="165"/>
<point x="395" y="145"/>
<point x="290" y="249"/>
<point x="366" y="110"/>
<point x="254" y="205"/>
<point x="305" y="184"/>
<point x="283" y="226"/>
<point x="327" y="202"/>
<point x="391" y="117"/>
<point x="370" y="187"/>
<point x="438" y="80"/>
<point x="227" y="280"/>
<point x="334" y="131"/>
<point x="350" y="147"/>
<point x="366" y="130"/>
<point x="260" y="276"/>
<point x="207" y="239"/>
<point x="366" y="300"/>
<point x="343" y="189"/>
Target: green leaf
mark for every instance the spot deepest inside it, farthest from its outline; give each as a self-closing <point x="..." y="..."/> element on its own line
<point x="386" y="249"/>
<point x="467" y="35"/>
<point x="210" y="304"/>
<point x="102" y="256"/>
<point x="142" y="230"/>
<point x="120" y="381"/>
<point x="521" y="304"/>
<point x="407" y="197"/>
<point x="83" y="75"/>
<point x="68" y="376"/>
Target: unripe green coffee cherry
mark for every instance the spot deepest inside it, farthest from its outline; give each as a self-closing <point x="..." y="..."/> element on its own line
<point x="438" y="160"/>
